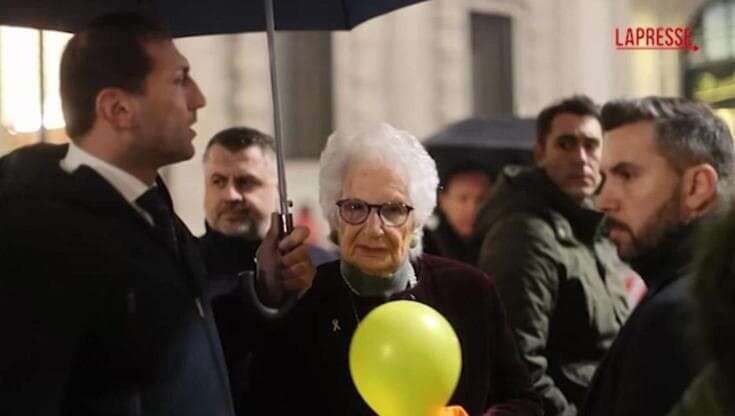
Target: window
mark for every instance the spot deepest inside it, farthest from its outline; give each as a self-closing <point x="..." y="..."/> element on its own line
<point x="306" y="92"/>
<point x="716" y="22"/>
<point x="29" y="80"/>
<point x="714" y="30"/>
<point x="492" y="76"/>
<point x="709" y="74"/>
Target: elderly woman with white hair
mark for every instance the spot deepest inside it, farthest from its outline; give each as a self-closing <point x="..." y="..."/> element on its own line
<point x="377" y="189"/>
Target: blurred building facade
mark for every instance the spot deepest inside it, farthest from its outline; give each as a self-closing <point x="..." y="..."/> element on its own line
<point x="710" y="75"/>
<point x="421" y="68"/>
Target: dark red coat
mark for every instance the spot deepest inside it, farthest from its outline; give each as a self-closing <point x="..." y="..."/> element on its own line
<point x="302" y="367"/>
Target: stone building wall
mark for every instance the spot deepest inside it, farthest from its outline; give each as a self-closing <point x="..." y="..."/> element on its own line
<point x="412" y="68"/>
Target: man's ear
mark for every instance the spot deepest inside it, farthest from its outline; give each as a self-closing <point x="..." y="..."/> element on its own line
<point x="539" y="151"/>
<point x="116" y="107"/>
<point x="699" y="190"/>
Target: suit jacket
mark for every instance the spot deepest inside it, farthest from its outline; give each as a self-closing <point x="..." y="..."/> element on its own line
<point x="302" y="368"/>
<point x="654" y="358"/>
<point x="104" y="319"/>
<point x="236" y="320"/>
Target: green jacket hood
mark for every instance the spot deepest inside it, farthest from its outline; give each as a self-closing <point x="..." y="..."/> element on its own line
<point x="530" y="190"/>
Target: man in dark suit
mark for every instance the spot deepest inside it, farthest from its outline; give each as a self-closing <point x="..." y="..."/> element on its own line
<point x="667" y="163"/>
<point x="102" y="288"/>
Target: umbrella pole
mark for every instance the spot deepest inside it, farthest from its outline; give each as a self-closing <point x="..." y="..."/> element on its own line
<point x="286" y="220"/>
<point x="41" y="87"/>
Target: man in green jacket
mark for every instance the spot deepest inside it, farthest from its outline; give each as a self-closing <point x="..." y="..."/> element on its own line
<point x="558" y="277"/>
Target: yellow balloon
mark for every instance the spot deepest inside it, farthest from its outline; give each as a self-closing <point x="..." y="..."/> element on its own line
<point x="405" y="359"/>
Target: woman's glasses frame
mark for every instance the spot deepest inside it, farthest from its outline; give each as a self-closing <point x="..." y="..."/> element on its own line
<point x="381" y="209"/>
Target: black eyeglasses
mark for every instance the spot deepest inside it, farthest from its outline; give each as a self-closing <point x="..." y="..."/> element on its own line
<point x="356" y="211"/>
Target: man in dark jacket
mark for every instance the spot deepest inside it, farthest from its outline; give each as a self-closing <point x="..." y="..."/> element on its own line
<point x="667" y="162"/>
<point x="103" y="288"/>
<point x="241" y="193"/>
<point x="555" y="273"/>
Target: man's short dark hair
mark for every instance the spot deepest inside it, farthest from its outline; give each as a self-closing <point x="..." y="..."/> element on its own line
<point x="580" y="105"/>
<point x="109" y="52"/>
<point x="687" y="132"/>
<point x="235" y="139"/>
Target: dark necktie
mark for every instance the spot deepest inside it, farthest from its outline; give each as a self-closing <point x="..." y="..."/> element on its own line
<point x="153" y="202"/>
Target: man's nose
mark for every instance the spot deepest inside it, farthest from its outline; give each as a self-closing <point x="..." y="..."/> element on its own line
<point x="196" y="97"/>
<point x="580" y="154"/>
<point x="231" y="193"/>
<point x="606" y="201"/>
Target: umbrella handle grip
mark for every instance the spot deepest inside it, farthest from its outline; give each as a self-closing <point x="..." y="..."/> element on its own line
<point x="249" y="292"/>
<point x="285" y="226"/>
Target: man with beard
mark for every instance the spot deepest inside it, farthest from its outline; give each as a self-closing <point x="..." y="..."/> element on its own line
<point x="241" y="194"/>
<point x="667" y="162"/>
<point x="557" y="276"/>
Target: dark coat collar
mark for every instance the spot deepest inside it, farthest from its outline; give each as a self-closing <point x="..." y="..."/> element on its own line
<point x="218" y="237"/>
<point x="531" y="190"/>
<point x="226" y="254"/>
<point x="34" y="172"/>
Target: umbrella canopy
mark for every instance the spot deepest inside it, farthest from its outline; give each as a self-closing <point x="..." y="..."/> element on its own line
<point x="200" y="17"/>
<point x="205" y="17"/>
<point x="482" y="143"/>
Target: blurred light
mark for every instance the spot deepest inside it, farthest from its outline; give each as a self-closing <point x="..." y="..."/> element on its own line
<point x="728" y="116"/>
<point x="20" y="101"/>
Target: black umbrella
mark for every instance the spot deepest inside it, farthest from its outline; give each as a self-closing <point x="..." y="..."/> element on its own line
<point x="201" y="17"/>
<point x="204" y="17"/>
<point x="487" y="144"/>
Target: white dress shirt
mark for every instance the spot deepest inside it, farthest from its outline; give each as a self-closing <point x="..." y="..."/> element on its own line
<point x="130" y="187"/>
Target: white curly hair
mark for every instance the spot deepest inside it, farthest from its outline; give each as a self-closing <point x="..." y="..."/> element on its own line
<point x="382" y="145"/>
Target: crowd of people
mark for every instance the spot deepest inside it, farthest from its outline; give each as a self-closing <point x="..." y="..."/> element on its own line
<point x="112" y="307"/>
